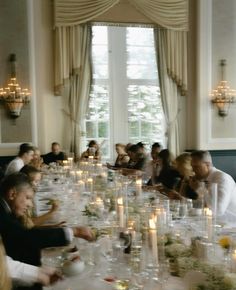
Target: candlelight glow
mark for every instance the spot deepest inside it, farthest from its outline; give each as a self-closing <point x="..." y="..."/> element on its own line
<point x="120" y="201"/>
<point x="152" y="224"/>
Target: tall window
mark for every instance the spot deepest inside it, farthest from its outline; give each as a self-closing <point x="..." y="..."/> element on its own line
<point x="125" y="104"/>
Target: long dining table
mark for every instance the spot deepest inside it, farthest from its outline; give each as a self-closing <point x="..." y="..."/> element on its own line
<point x="99" y="270"/>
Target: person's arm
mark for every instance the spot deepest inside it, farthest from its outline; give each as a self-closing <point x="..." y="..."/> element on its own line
<point x="27" y="274"/>
<point x="40" y="220"/>
<point x="13" y="232"/>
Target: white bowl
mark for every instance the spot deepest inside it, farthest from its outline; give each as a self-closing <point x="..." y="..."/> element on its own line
<point x="71" y="268"/>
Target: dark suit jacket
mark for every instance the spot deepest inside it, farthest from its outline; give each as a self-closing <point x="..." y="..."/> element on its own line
<point x="51" y="157"/>
<point x="25" y="244"/>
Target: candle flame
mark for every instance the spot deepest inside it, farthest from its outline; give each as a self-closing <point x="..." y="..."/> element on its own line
<point x="152" y="224"/>
<point x="120" y="201"/>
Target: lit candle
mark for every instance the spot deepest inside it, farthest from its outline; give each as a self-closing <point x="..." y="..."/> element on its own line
<point x="120" y="209"/>
<point x="90" y="185"/>
<point x="72" y="173"/>
<point x="70" y="161"/>
<point x="65" y="162"/>
<point x="81" y="185"/>
<point x="209" y="224"/>
<point x="99" y="203"/>
<point x="234" y="261"/>
<point x="153" y="240"/>
<point x="138" y="186"/>
<point x="161" y="218"/>
<point x="79" y="174"/>
<point x="90" y="158"/>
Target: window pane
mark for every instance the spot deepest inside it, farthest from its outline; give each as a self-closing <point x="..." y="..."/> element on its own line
<point x="99" y="35"/>
<point x="141" y="55"/>
<point x="103" y="129"/>
<point x="100" y="72"/>
<point x="100" y="55"/>
<point x="141" y="72"/>
<point x="145" y="111"/>
<point x="133" y="129"/>
<point x="90" y="130"/>
<point x="139" y="36"/>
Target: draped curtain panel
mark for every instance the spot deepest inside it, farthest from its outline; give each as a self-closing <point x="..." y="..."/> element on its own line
<point x="170" y="15"/>
<point x="73" y="74"/>
<point x="169" y="92"/>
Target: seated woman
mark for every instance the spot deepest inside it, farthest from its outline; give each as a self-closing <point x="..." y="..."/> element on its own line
<point x="183" y="166"/>
<point x="93" y="150"/>
<point x="122" y="157"/>
<point x="28" y="219"/>
<point x="37" y="160"/>
<point x="166" y="174"/>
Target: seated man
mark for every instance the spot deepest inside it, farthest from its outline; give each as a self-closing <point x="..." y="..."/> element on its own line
<point x="56" y="155"/>
<point x="137" y="161"/>
<point x="24" y="157"/>
<point x="24" y="244"/>
<point x="207" y="173"/>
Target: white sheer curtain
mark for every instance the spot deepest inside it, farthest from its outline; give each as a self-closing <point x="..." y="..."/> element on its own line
<point x="73" y="75"/>
<point x="171" y="15"/>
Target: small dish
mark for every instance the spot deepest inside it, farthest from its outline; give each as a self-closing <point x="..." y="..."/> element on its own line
<point x="72" y="268"/>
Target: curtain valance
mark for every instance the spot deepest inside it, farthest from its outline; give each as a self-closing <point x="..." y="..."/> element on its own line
<point x="170" y="14"/>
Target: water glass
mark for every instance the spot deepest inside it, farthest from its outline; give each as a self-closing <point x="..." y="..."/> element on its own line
<point x="183" y="210"/>
<point x="52" y="257"/>
<point x="136" y="248"/>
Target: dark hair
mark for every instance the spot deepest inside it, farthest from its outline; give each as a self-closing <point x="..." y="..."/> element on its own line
<point x="55" y="143"/>
<point x="166" y="157"/>
<point x="25" y="148"/>
<point x="28" y="169"/>
<point x="134" y="148"/>
<point x="92" y="142"/>
<point x="16" y="180"/>
<point x="156" y="145"/>
<point x="141" y="144"/>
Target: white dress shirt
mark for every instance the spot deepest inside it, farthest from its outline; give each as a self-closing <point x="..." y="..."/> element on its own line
<point x="226" y="204"/>
<point x="14" y="166"/>
<point x="22" y="273"/>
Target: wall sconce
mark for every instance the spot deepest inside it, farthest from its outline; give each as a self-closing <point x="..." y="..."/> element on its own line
<point x="13" y="96"/>
<point x="223" y="96"/>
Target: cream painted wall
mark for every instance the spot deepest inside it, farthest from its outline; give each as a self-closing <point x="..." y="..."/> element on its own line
<point x="50" y="118"/>
<point x="224" y="47"/>
<point x="14" y="39"/>
<point x="216" y="40"/>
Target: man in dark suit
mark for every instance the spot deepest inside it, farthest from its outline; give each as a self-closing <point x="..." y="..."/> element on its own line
<point x="24" y="244"/>
<point x="56" y="155"/>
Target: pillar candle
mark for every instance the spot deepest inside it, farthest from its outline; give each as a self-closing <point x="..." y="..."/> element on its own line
<point x="153" y="240"/>
<point x="138" y="186"/>
<point x="120" y="209"/>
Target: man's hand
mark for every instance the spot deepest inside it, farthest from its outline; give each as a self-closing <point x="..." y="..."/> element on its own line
<point x="84" y="233"/>
<point x="48" y="276"/>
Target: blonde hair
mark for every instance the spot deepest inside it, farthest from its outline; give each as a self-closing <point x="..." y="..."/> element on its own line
<point x="5" y="281"/>
<point x="183" y="164"/>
